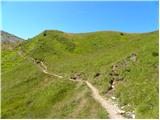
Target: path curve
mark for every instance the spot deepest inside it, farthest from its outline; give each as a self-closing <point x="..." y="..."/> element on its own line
<point x="113" y="110"/>
<point x="44" y="69"/>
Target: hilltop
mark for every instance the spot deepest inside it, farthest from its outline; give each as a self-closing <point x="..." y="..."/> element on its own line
<point x="122" y="66"/>
<point x="9" y="41"/>
<point x="7" y="37"/>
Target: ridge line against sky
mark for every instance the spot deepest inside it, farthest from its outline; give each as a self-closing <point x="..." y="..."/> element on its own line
<point x="78" y="17"/>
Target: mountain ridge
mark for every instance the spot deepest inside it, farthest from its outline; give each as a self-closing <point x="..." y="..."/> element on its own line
<point x="7" y="37"/>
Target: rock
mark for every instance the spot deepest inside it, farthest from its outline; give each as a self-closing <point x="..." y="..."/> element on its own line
<point x="111" y="74"/>
<point x="77" y="76"/>
<point x="114" y="67"/>
<point x="119" y="78"/>
<point x="96" y="75"/>
<point x="133" y="57"/>
<point x="130" y="115"/>
<point x="121" y="112"/>
<point x="114" y="73"/>
<point x="133" y="116"/>
<point x="37" y="62"/>
<point x="113" y="98"/>
<point x="109" y="88"/>
<point x="122" y="107"/>
<point x="111" y="81"/>
<point x="73" y="77"/>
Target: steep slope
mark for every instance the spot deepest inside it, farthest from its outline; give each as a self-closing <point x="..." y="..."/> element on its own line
<point x="89" y="56"/>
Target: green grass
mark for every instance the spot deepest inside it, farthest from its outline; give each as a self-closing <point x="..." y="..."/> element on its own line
<point x="28" y="93"/>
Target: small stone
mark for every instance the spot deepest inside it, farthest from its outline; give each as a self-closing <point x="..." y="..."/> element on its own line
<point x="133" y="57"/>
<point x="121" y="112"/>
<point x="122" y="107"/>
<point x="109" y="88"/>
<point x="97" y="74"/>
<point x="113" y="83"/>
<point x="130" y="115"/>
<point x="119" y="78"/>
<point x="133" y="116"/>
<point x="113" y="98"/>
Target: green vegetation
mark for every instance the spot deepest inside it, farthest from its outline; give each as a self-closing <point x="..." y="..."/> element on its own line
<point x="29" y="93"/>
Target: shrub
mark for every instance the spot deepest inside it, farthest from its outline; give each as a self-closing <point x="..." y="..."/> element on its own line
<point x="122" y="34"/>
<point x="155" y="54"/>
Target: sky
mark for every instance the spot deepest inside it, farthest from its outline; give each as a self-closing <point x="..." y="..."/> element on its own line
<point x="27" y="19"/>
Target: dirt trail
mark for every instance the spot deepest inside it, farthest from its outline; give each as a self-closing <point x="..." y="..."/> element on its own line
<point x="44" y="69"/>
<point x="113" y="110"/>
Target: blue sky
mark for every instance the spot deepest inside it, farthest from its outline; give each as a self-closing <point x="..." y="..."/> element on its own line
<point x="27" y="19"/>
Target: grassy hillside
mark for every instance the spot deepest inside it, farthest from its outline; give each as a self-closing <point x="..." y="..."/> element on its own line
<point x="9" y="47"/>
<point x="28" y="93"/>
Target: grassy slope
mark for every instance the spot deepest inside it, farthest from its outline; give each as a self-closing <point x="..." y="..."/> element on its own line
<point x="9" y="48"/>
<point x="28" y="93"/>
<point x="40" y="96"/>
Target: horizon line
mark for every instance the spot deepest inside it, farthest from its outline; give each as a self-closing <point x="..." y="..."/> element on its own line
<point x="78" y="32"/>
